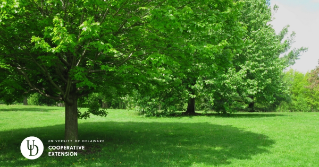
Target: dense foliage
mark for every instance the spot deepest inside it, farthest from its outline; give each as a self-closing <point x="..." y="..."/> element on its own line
<point x="249" y="78"/>
<point x="302" y="97"/>
<point x="37" y="99"/>
<point x="314" y="79"/>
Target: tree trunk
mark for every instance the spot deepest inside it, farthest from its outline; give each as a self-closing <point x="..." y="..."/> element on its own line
<point x="104" y="104"/>
<point x="60" y="104"/>
<point x="251" y="107"/>
<point x="191" y="106"/>
<point x="121" y="104"/>
<point x="100" y="103"/>
<point x="71" y="122"/>
<point x="25" y="100"/>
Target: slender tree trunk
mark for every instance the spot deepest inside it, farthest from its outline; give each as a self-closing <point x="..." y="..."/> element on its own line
<point x="25" y="100"/>
<point x="251" y="107"/>
<point x="71" y="122"/>
<point x="191" y="106"/>
<point x="61" y="104"/>
<point x="121" y="104"/>
<point x="100" y="103"/>
<point x="104" y="104"/>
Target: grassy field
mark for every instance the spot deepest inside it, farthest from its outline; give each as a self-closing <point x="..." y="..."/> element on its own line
<point x="243" y="139"/>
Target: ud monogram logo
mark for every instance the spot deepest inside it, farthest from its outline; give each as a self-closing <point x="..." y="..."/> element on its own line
<point x="31" y="147"/>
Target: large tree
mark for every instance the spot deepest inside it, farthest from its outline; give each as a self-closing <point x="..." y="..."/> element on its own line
<point x="256" y="75"/>
<point x="68" y="49"/>
<point x="205" y="51"/>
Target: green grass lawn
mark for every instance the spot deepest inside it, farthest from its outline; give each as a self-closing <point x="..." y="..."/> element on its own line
<point x="243" y="139"/>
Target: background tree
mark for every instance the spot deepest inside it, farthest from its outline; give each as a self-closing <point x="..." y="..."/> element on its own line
<point x="256" y="73"/>
<point x="314" y="79"/>
<point x="38" y="99"/>
<point x="302" y="97"/>
<point x="13" y="88"/>
<point x="206" y="48"/>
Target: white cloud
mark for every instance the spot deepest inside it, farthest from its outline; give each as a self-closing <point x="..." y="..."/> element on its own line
<point x="306" y="25"/>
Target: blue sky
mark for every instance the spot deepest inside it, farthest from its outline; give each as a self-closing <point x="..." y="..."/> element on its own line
<point x="303" y="18"/>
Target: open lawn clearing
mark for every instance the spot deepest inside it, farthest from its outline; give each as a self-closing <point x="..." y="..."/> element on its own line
<point x="243" y="139"/>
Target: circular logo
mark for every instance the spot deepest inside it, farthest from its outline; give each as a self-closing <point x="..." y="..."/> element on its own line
<point x="31" y="147"/>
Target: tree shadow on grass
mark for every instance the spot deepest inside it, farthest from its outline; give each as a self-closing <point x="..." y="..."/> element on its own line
<point x="141" y="144"/>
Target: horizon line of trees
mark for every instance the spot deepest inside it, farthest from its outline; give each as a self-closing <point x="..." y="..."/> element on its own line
<point x="302" y="97"/>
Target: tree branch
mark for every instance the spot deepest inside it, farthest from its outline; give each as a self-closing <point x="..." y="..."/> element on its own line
<point x="85" y="92"/>
<point x="37" y="6"/>
<point x="63" y="61"/>
<point x="59" y="71"/>
<point x="35" y="88"/>
<point x="120" y="8"/>
<point x="125" y="60"/>
<point x="47" y="74"/>
<point x="103" y="17"/>
<point x="82" y="55"/>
